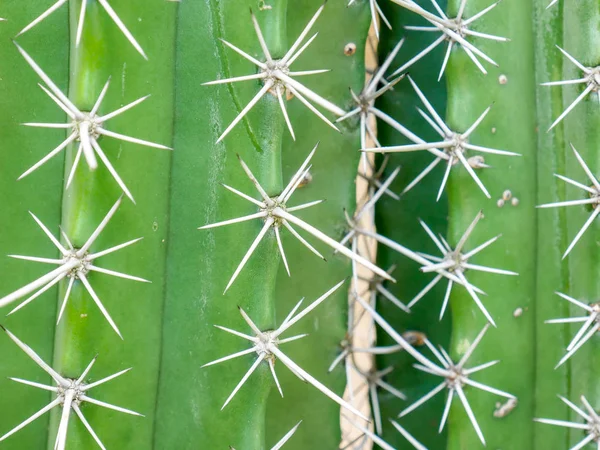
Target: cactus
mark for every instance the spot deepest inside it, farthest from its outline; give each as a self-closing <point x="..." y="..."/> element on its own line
<point x="232" y="187"/>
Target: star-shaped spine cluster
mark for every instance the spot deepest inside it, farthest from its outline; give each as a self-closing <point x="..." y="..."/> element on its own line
<point x="69" y="393"/>
<point x="277" y="78"/>
<point x="275" y="213"/>
<point x="86" y="128"/>
<point x="75" y="264"/>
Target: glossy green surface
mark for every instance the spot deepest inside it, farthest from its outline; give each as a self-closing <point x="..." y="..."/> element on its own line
<point x="551" y="340"/>
<point x="333" y="175"/>
<point x="200" y="262"/>
<point x="510" y="125"/>
<point x="135" y="307"/>
<point x="580" y="268"/>
<point x="168" y="325"/>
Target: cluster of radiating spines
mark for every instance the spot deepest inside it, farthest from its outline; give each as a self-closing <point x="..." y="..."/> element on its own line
<point x="277" y="78"/>
<point x="590" y="324"/>
<point x="591" y="199"/>
<point x="456" y="377"/>
<point x="75" y="263"/>
<point x="265" y="344"/>
<point x="455" y="374"/>
<point x="68" y="395"/>
<point x="454" y="272"/>
<point x="365" y="101"/>
<point x="590" y="78"/>
<point x="452" y="265"/>
<point x="364" y="105"/>
<point x="456" y="261"/>
<point x="81" y="22"/>
<point x="591" y="427"/>
<point x="86" y="128"/>
<point x="454" y="148"/>
<point x="455" y="30"/>
<point x="284" y="439"/>
<point x="275" y="213"/>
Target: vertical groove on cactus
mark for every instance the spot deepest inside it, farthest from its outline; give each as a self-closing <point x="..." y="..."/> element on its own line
<point x="550" y="340"/>
<point x="398" y="220"/>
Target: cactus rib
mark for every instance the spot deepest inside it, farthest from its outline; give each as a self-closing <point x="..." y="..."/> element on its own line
<point x="332" y="177"/>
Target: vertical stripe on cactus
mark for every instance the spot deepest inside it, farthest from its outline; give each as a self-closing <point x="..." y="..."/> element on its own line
<point x="83" y="332"/>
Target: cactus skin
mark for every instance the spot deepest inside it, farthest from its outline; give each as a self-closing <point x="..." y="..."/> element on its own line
<point x="469" y="93"/>
<point x="83" y="333"/>
<point x="574" y="275"/>
<point x="532" y="244"/>
<point x="334" y="171"/>
<point x="577" y="274"/>
<point x="21" y="99"/>
<point x="398" y="220"/>
<point x="199" y="265"/>
<point x="550" y="340"/>
<point x="168" y="325"/>
<point x="136" y="307"/>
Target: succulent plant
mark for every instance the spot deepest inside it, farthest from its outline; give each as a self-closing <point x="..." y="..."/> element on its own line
<point x="380" y="240"/>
